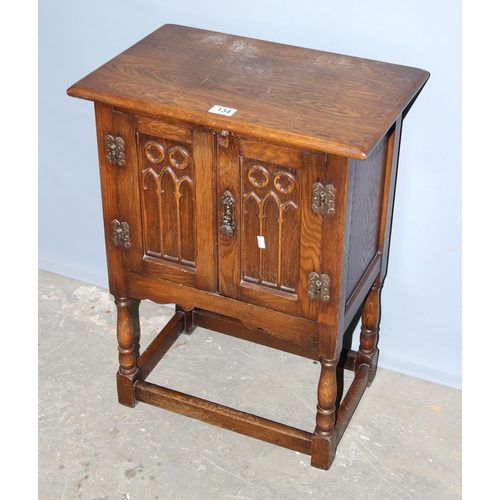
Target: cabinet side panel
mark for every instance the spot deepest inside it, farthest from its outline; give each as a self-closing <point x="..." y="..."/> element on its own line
<point x="389" y="193"/>
<point x="365" y="214"/>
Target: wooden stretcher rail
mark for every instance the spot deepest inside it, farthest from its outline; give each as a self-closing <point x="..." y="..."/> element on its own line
<point x="229" y="418"/>
<point x="351" y="399"/>
<point x="223" y="416"/>
<point x="160" y="345"/>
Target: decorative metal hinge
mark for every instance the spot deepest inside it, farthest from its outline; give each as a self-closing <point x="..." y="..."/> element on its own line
<point x="115" y="150"/>
<point x="323" y="198"/>
<point x="121" y="234"/>
<point x="319" y="287"/>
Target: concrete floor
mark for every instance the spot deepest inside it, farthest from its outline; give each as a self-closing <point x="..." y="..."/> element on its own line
<point x="404" y="441"/>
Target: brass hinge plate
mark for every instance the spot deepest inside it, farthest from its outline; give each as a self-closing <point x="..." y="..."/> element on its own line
<point x="121" y="234"/>
<point x="319" y="287"/>
<point x="115" y="150"/>
<point x="323" y="198"/>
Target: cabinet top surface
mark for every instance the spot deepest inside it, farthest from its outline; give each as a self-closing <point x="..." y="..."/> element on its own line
<point x="303" y="97"/>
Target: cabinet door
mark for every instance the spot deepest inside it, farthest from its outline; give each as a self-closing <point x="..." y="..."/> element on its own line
<point x="266" y="192"/>
<point x="176" y="190"/>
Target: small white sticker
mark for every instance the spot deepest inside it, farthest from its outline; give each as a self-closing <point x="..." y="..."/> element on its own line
<point x="222" y="110"/>
<point x="261" y="242"/>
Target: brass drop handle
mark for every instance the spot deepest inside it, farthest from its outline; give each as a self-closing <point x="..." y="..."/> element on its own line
<point x="227" y="226"/>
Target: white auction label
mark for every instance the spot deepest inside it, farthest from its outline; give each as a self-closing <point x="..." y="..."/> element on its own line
<point x="222" y="110"/>
<point x="261" y="242"/>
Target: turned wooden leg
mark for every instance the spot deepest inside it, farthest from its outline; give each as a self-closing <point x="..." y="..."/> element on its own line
<point x="370" y="322"/>
<point x="128" y="372"/>
<point x="188" y="319"/>
<point x="324" y="438"/>
<point x="134" y="312"/>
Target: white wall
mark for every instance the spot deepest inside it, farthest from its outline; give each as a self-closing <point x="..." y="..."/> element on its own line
<point x="421" y="324"/>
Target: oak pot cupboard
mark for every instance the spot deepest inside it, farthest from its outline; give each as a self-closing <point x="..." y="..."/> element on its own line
<point x="251" y="184"/>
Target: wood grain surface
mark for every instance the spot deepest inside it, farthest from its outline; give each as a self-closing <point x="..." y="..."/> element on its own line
<point x="317" y="100"/>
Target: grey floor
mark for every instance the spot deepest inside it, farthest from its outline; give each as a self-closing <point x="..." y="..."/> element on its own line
<point x="404" y="441"/>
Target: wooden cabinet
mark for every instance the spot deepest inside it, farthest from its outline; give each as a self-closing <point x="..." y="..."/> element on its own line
<point x="251" y="184"/>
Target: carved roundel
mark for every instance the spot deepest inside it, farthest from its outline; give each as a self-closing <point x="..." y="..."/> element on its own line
<point x="178" y="157"/>
<point x="284" y="182"/>
<point x="154" y="151"/>
<point x="258" y="176"/>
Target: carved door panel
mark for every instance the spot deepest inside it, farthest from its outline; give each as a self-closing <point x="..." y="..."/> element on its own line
<point x="220" y="214"/>
<point x="175" y="173"/>
<point x="166" y="175"/>
<point x="266" y="192"/>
